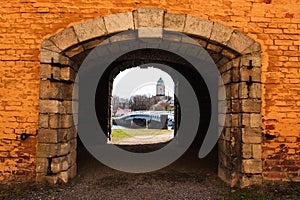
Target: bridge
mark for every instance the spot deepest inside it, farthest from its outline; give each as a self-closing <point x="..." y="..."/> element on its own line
<point x="147" y="119"/>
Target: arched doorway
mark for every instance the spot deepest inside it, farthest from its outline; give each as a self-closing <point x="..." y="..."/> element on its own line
<point x="236" y="55"/>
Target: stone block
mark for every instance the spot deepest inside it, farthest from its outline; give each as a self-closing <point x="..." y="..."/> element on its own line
<point x="47" y="56"/>
<point x="225" y="135"/>
<point x="66" y="121"/>
<point x="239" y="41"/>
<point x="229" y="53"/>
<point x="214" y="47"/>
<point x="90" y="29"/>
<point x="228" y="120"/>
<point x="236" y="133"/>
<point x="174" y="22"/>
<point x="63" y="176"/>
<point x="223" y="154"/>
<point x="92" y="44"/>
<point x="67" y="74"/>
<point x="43" y="121"/>
<point x="226" y="77"/>
<point x="67" y="107"/>
<point x="247" y="180"/>
<point x="255" y="47"/>
<point x="47" y="136"/>
<point x="72" y="171"/>
<point x="119" y="22"/>
<point x="251" y="105"/>
<point x="235" y="150"/>
<point x="73" y="144"/>
<point x="42" y="165"/>
<point x="235" y="120"/>
<point x="234" y="91"/>
<point x="65" y="39"/>
<point x="255" y="74"/>
<point x="67" y="90"/>
<point x="64" y="60"/>
<point x="252" y="166"/>
<point x="251" y="135"/>
<point x="64" y="135"/>
<point x="255" y="58"/>
<point x="49" y="45"/>
<point x="225" y="67"/>
<point x="74" y="51"/>
<point x="255" y="91"/>
<point x="149" y="17"/>
<point x="72" y="157"/>
<point x="245" y="120"/>
<point x="63" y="149"/>
<point x="50" y="90"/>
<point x="197" y="26"/>
<point x="220" y="33"/>
<point x="255" y="120"/>
<point x="235" y="74"/>
<point x="247" y="151"/>
<point x="257" y="151"/>
<point x="49" y="106"/>
<point x="45" y="71"/>
<point x="222" y="61"/>
<point x="46" y="150"/>
<point x="55" y="73"/>
<point x="59" y="164"/>
<point x="202" y="42"/>
<point x="236" y="106"/>
<point x="55" y="121"/>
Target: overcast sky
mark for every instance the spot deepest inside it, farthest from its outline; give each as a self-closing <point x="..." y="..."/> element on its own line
<point x="141" y="81"/>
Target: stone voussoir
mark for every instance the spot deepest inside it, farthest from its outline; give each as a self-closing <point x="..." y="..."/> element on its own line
<point x="174" y="22"/>
<point x="65" y="38"/>
<point x="221" y="33"/>
<point x="197" y="26"/>
<point x="239" y="41"/>
<point x="119" y="22"/>
<point x="149" y="17"/>
<point x="49" y="45"/>
<point x="90" y="29"/>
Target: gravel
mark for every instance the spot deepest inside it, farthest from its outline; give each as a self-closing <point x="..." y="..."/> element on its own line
<point x="187" y="178"/>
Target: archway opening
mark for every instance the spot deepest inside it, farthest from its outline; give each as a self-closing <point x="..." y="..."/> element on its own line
<point x="142" y="107"/>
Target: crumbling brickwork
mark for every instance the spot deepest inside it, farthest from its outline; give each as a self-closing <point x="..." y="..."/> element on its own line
<point x="275" y="24"/>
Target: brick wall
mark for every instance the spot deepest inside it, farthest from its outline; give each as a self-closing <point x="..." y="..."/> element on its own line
<point x="273" y="23"/>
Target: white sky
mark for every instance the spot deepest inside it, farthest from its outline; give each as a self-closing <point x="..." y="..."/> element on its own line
<point x="141" y="81"/>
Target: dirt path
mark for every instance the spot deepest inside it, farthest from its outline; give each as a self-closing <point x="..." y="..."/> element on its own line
<point x="187" y="178"/>
<point x="149" y="139"/>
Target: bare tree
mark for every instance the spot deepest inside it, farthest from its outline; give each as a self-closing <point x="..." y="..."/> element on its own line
<point x="142" y="102"/>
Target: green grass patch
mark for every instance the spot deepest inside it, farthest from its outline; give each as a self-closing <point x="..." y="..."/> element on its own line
<point x="286" y="190"/>
<point x="120" y="134"/>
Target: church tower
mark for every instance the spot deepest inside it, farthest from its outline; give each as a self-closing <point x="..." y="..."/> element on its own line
<point x="160" y="87"/>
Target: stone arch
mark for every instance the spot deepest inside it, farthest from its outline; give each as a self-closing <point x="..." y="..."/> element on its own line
<point x="236" y="54"/>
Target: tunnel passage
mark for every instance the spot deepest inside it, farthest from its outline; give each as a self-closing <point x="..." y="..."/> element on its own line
<point x="148" y="56"/>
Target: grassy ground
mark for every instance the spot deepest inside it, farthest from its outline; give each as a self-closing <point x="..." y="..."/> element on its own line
<point x="120" y="134"/>
<point x="282" y="191"/>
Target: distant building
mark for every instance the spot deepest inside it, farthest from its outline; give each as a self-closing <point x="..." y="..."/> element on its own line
<point x="160" y="87"/>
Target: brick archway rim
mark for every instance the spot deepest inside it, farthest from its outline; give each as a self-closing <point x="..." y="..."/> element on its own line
<point x="213" y="32"/>
<point x="53" y="48"/>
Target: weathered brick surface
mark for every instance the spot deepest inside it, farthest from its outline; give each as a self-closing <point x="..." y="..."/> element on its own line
<point x="24" y="24"/>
